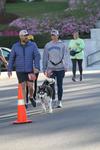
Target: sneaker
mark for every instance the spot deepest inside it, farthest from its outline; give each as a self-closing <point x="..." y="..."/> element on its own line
<point x="33" y="102"/>
<point x="50" y="110"/>
<point x="59" y="104"/>
<point x="54" y="103"/>
<point x="26" y="106"/>
<point x="73" y="79"/>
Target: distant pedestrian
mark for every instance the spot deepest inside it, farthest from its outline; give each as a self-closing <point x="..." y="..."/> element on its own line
<point x="55" y="63"/>
<point x="2" y="60"/>
<point x="76" y="47"/>
<point x="26" y="57"/>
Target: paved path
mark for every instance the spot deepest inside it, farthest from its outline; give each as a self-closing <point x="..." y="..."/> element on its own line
<point x="75" y="127"/>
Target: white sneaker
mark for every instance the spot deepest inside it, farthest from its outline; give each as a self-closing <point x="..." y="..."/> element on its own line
<point x="59" y="104"/>
<point x="50" y="110"/>
<point x="50" y="106"/>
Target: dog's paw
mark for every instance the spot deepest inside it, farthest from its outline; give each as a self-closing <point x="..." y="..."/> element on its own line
<point x="50" y="111"/>
<point x="44" y="111"/>
<point x="44" y="108"/>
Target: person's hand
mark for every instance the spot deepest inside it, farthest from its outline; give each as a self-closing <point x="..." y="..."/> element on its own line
<point x="9" y="74"/>
<point x="48" y="73"/>
<point x="35" y="70"/>
<point x="32" y="76"/>
<point x="6" y="64"/>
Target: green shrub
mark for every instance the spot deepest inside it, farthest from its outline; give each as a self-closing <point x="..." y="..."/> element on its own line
<point x="41" y="40"/>
<point x="7" y="41"/>
<point x="11" y="1"/>
<point x="38" y="0"/>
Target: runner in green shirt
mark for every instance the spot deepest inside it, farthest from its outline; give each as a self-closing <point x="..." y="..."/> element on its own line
<point x="77" y="45"/>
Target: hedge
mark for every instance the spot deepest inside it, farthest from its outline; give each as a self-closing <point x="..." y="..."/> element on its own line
<point x="11" y="1"/>
<point x="7" y="41"/>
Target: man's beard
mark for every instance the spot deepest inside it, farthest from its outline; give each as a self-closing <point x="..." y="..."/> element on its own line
<point x="24" y="41"/>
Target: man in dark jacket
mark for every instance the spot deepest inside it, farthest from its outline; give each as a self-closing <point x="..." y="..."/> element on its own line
<point x="31" y="38"/>
<point x="26" y="57"/>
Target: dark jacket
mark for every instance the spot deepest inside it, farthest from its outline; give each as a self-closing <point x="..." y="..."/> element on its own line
<point x="25" y="57"/>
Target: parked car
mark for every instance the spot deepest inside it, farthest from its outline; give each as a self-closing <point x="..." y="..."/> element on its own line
<point x="6" y="53"/>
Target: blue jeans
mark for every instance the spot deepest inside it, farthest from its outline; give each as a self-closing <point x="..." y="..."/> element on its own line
<point x="58" y="75"/>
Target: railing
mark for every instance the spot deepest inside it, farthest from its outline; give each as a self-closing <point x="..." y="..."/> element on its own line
<point x="93" y="58"/>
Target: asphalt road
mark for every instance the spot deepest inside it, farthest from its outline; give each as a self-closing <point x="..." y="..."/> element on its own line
<point x="74" y="127"/>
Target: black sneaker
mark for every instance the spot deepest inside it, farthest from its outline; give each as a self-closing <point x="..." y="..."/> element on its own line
<point x="33" y="102"/>
<point x="58" y="106"/>
<point x="73" y="79"/>
<point x="80" y="77"/>
<point x="26" y="106"/>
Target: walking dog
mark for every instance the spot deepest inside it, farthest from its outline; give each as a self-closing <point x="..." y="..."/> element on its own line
<point x="45" y="93"/>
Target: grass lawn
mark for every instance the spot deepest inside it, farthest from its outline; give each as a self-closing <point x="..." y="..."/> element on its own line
<point x="3" y="26"/>
<point x="36" y="9"/>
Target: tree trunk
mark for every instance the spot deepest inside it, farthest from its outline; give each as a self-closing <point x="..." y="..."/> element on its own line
<point x="2" y="6"/>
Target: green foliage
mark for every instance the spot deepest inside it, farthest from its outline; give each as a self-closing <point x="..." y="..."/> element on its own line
<point x="41" y="40"/>
<point x="7" y="41"/>
<point x="40" y="10"/>
<point x="3" y="26"/>
<point x="11" y="1"/>
<point x="83" y="11"/>
<point x="6" y="18"/>
<point x="77" y="13"/>
<point x="36" y="9"/>
<point x="38" y="0"/>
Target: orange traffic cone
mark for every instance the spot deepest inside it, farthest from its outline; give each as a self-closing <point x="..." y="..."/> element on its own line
<point x="21" y="115"/>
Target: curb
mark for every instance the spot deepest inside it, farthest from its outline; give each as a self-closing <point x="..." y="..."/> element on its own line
<point x="42" y="76"/>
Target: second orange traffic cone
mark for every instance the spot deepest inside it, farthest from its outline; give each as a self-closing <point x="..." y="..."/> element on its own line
<point x="21" y="114"/>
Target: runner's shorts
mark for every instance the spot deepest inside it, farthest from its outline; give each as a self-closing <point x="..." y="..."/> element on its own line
<point x="22" y="77"/>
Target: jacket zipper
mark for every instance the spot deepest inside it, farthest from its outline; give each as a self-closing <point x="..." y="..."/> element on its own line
<point x="24" y="57"/>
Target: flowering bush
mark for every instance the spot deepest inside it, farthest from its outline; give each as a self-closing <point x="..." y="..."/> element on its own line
<point x="65" y="24"/>
<point x="26" y="23"/>
<point x="9" y="33"/>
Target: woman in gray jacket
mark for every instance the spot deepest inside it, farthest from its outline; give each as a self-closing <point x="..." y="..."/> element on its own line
<point x="55" y="63"/>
